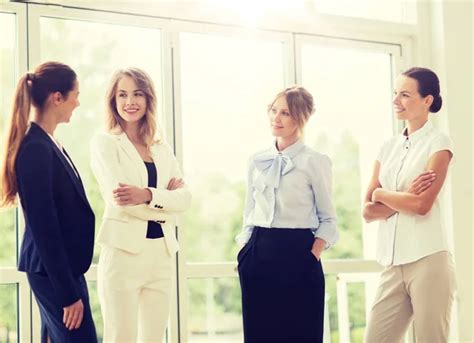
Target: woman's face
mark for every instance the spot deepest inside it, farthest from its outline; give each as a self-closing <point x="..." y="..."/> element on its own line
<point x="130" y="100"/>
<point x="407" y="101"/>
<point x="68" y="104"/>
<point x="282" y="123"/>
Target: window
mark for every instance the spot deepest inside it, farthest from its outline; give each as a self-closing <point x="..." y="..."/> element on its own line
<point x="351" y="83"/>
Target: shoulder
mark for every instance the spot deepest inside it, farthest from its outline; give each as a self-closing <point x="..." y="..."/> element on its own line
<point x="162" y="147"/>
<point x="34" y="151"/>
<point x="104" y="139"/>
<point x="314" y="157"/>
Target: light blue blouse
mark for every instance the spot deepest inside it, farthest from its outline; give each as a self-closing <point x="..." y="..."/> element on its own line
<point x="290" y="189"/>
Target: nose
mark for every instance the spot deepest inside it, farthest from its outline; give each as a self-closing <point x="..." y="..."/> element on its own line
<point x="396" y="100"/>
<point x="130" y="100"/>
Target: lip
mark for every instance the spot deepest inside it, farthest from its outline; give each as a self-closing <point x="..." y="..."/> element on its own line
<point x="277" y="126"/>
<point x="131" y="110"/>
<point x="398" y="109"/>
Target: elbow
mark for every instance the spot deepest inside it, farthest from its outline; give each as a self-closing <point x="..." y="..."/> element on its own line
<point x="423" y="208"/>
<point x="367" y="215"/>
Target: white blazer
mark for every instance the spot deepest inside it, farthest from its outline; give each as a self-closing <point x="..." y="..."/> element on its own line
<point x="115" y="159"/>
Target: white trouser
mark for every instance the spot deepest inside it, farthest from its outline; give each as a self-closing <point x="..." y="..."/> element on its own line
<point x="134" y="292"/>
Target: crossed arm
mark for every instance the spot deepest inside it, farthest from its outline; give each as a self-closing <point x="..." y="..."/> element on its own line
<point x="417" y="199"/>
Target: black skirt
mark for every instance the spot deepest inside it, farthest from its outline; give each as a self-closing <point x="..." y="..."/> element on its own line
<point x="282" y="286"/>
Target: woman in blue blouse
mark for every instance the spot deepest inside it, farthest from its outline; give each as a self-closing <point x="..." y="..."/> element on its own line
<point x="289" y="220"/>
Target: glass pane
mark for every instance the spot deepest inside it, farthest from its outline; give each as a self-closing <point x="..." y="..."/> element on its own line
<point x="352" y="91"/>
<point x="7" y="89"/>
<point x="401" y="11"/>
<point x="8" y="313"/>
<point x="225" y="93"/>
<point x="95" y="307"/>
<point x="113" y="47"/>
<point x="349" y="298"/>
<point x="214" y="311"/>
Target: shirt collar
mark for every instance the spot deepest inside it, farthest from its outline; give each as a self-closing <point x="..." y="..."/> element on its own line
<point x="418" y="134"/>
<point x="290" y="151"/>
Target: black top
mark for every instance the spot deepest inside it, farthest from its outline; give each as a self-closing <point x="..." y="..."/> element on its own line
<point x="154" y="229"/>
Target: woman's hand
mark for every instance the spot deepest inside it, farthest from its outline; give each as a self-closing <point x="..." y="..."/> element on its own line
<point x="422" y="182"/>
<point x="73" y="315"/>
<point x="318" y="247"/>
<point x="131" y="195"/>
<point x="175" y="184"/>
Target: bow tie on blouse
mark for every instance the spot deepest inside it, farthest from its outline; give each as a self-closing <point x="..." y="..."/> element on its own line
<point x="272" y="165"/>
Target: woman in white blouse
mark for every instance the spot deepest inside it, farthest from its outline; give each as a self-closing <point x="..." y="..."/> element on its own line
<point x="404" y="194"/>
<point x="289" y="219"/>
<point x="140" y="181"/>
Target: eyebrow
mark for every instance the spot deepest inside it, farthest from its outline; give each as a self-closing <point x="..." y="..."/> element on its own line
<point x="135" y="90"/>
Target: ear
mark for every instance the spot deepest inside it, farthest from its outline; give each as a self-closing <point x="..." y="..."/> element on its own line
<point x="429" y="100"/>
<point x="56" y="98"/>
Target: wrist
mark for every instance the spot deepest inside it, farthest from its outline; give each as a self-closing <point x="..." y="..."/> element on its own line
<point x="147" y="196"/>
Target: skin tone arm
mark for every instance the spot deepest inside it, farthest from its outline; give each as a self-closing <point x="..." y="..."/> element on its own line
<point x="417" y="203"/>
<point x="131" y="195"/>
<point x="377" y="210"/>
<point x="373" y="210"/>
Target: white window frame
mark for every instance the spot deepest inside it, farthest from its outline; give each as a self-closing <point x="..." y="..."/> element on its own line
<point x="356" y="33"/>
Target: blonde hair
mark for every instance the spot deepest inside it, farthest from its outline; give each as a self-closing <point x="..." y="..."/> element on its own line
<point x="300" y="104"/>
<point x="33" y="88"/>
<point x="148" y="130"/>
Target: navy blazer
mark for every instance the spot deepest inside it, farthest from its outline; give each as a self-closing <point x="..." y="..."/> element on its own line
<point x="59" y="233"/>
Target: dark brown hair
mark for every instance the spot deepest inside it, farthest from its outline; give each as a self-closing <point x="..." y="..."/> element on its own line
<point x="428" y="84"/>
<point x="33" y="88"/>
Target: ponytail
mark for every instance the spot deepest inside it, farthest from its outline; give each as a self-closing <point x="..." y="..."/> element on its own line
<point x="15" y="134"/>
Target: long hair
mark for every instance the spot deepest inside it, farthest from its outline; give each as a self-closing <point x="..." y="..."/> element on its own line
<point x="32" y="89"/>
<point x="147" y="127"/>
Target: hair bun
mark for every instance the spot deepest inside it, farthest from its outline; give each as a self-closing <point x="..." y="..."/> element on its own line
<point x="436" y="105"/>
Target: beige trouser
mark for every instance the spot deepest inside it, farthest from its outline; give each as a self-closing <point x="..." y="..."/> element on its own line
<point x="422" y="290"/>
<point x="134" y="292"/>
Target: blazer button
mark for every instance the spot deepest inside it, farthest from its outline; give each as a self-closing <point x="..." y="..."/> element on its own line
<point x="156" y="206"/>
<point x="160" y="206"/>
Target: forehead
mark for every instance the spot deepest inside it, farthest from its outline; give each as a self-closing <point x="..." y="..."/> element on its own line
<point x="281" y="103"/>
<point x="405" y="83"/>
<point x="126" y="83"/>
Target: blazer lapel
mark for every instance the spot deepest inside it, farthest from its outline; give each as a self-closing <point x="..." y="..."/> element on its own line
<point x="135" y="157"/>
<point x="75" y="178"/>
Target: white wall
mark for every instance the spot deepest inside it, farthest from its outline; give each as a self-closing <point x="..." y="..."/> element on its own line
<point x="445" y="44"/>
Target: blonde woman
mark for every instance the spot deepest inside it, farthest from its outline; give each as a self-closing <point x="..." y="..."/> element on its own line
<point x="141" y="184"/>
<point x="289" y="220"/>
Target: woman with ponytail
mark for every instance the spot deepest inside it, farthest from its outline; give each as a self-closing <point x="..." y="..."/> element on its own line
<point x="404" y="195"/>
<point x="58" y="241"/>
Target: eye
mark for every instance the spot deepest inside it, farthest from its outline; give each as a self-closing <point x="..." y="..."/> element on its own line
<point x="122" y="95"/>
<point x="405" y="95"/>
<point x="139" y="94"/>
<point x="274" y="110"/>
<point x="286" y="114"/>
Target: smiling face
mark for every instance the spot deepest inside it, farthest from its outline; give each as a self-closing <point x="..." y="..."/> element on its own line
<point x="407" y="101"/>
<point x="130" y="100"/>
<point x="282" y="124"/>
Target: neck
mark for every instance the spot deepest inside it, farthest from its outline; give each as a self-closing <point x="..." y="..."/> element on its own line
<point x="46" y="121"/>
<point x="131" y="130"/>
<point x="284" y="142"/>
<point x="416" y="124"/>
